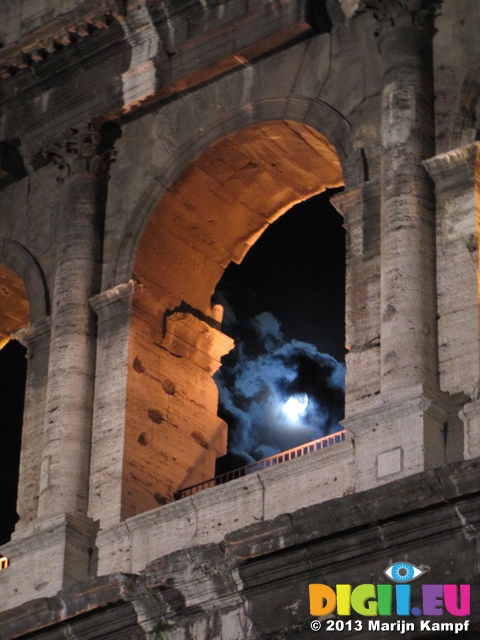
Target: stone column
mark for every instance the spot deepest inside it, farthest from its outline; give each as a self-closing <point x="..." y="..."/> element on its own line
<point x="458" y="268"/>
<point x="36" y="339"/>
<point x="403" y="429"/>
<point x="71" y="371"/>
<point x="360" y="208"/>
<point x="408" y="291"/>
<point x="113" y="311"/>
<point x="458" y="205"/>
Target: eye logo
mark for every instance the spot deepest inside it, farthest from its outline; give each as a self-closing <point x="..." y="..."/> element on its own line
<point x="380" y="600"/>
<point x="403" y="572"/>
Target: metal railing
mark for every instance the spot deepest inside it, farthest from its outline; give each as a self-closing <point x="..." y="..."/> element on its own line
<point x="266" y="463"/>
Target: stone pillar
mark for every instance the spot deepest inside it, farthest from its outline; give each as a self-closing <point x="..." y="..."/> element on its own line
<point x="458" y="268"/>
<point x="402" y="430"/>
<point x="113" y="311"/>
<point x="46" y="556"/>
<point x="57" y="549"/>
<point x="408" y="291"/>
<point x="173" y="433"/>
<point x="36" y="339"/>
<point x="360" y="208"/>
<point x="71" y="371"/>
<point x="458" y="205"/>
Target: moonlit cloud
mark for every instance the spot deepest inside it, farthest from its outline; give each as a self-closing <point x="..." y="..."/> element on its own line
<point x="258" y="378"/>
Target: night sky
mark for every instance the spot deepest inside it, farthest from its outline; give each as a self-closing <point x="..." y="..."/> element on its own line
<point x="285" y="308"/>
<point x="296" y="271"/>
<point x="13" y="369"/>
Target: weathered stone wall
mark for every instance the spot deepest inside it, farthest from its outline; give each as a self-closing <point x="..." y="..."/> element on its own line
<point x="209" y="515"/>
<point x="361" y="210"/>
<point x="21" y="18"/>
<point x="457" y="274"/>
<point x="145" y="145"/>
<point x="455" y="56"/>
<point x="253" y="582"/>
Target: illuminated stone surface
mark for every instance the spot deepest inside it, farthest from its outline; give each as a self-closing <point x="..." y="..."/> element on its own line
<point x="14" y="314"/>
<point x="155" y="143"/>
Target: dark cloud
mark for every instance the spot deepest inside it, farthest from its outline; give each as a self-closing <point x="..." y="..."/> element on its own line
<point x="260" y="375"/>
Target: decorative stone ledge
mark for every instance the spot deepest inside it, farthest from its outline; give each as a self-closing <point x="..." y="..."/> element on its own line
<point x="176" y="24"/>
<point x="53" y="37"/>
<point x="102" y="302"/>
<point x="453" y="168"/>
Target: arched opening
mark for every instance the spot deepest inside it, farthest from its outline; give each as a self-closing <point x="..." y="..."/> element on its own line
<point x="14" y="315"/>
<point x="283" y="384"/>
<point x="211" y="215"/>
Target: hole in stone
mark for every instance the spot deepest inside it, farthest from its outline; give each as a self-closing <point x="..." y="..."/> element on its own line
<point x="143" y="439"/>
<point x="169" y="387"/>
<point x="155" y="416"/>
<point x="138" y="366"/>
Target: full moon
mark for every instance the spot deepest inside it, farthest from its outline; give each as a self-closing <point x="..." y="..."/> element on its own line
<point x="295" y="406"/>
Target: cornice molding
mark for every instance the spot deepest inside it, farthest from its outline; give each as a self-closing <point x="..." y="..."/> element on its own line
<point x="453" y="168"/>
<point x="53" y="37"/>
<point x="100" y="15"/>
<point x="102" y="302"/>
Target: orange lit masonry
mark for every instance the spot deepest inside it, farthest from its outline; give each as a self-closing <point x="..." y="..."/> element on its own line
<point x="4" y="562"/>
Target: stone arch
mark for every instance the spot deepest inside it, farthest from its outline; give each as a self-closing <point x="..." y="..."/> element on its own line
<point x="303" y="110"/>
<point x="464" y="119"/>
<point x="209" y="215"/>
<point x="25" y="302"/>
<point x="23" y="281"/>
<point x="17" y="258"/>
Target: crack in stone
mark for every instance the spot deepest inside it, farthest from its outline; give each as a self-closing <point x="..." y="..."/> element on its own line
<point x="263" y="496"/>
<point x="382" y="537"/>
<point x="468" y="530"/>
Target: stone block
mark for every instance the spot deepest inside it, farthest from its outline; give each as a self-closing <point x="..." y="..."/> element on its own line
<point x="314" y="66"/>
<point x="389" y="462"/>
<point x="161" y="532"/>
<point x="188" y="337"/>
<point x="203" y="518"/>
<point x="45" y="557"/>
<point x="114" y="548"/>
<point x="470" y="415"/>
<point x="227" y="507"/>
<point x="317" y="477"/>
<point x="457" y="268"/>
<point x="208" y="516"/>
<point x="399" y="434"/>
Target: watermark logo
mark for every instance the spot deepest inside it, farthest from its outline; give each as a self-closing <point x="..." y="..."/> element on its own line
<point x="403" y="572"/>
<point x="372" y="601"/>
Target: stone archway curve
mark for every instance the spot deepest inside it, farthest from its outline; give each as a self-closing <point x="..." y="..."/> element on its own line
<point x="211" y="214"/>
<point x="461" y="122"/>
<point x="17" y="258"/>
<point x="314" y="113"/>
